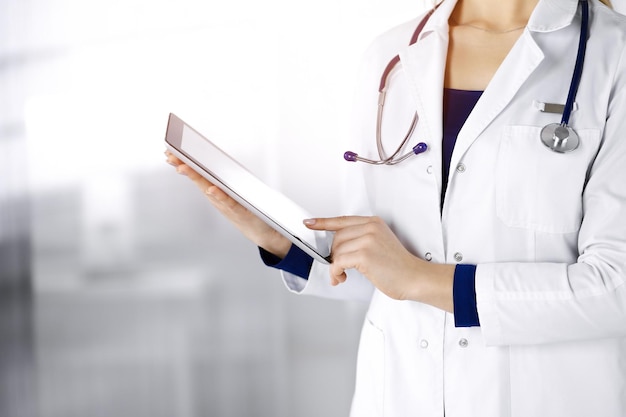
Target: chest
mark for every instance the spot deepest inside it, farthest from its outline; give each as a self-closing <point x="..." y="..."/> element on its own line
<point x="474" y="56"/>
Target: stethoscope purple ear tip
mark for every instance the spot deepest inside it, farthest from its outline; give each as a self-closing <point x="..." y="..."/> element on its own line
<point x="350" y="156"/>
<point x="420" y="148"/>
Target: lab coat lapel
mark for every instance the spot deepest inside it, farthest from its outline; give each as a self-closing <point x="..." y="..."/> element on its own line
<point x="549" y="15"/>
<point x="424" y="64"/>
<point x="505" y="83"/>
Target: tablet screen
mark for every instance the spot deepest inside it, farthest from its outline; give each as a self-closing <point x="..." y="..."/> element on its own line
<point x="273" y="207"/>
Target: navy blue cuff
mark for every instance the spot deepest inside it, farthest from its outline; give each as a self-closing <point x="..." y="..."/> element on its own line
<point x="464" y="296"/>
<point x="296" y="262"/>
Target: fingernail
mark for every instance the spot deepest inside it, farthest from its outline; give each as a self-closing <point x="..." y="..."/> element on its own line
<point x="180" y="170"/>
<point x="309" y="222"/>
<point x="210" y="191"/>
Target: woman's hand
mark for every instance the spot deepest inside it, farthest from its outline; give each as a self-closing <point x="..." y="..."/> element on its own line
<point x="248" y="223"/>
<point x="368" y="245"/>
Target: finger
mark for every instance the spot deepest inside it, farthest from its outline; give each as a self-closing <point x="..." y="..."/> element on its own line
<point x="335" y="223"/>
<point x="338" y="279"/>
<point x="339" y="266"/>
<point x="186" y="170"/>
<point x="219" y="198"/>
<point x="172" y="159"/>
<point x="337" y="275"/>
<point x="361" y="234"/>
<point x="224" y="202"/>
<point x="357" y="242"/>
<point x="202" y="183"/>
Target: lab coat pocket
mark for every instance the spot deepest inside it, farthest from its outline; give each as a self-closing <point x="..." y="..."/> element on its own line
<point x="370" y="374"/>
<point x="539" y="189"/>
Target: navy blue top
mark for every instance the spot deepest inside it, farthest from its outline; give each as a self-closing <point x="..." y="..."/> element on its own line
<point x="457" y="105"/>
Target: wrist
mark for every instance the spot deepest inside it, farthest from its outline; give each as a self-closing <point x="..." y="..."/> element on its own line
<point x="434" y="286"/>
<point x="275" y="243"/>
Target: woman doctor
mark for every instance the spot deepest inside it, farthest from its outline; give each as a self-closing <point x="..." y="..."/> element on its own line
<point x="495" y="266"/>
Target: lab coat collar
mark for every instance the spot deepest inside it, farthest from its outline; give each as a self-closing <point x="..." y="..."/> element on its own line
<point x="548" y="16"/>
<point x="438" y="22"/>
<point x="551" y="15"/>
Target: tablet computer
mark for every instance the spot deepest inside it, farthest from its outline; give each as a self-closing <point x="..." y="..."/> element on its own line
<point x="276" y="209"/>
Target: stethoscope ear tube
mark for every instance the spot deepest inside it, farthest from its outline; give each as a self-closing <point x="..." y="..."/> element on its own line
<point x="416" y="150"/>
<point x="382" y="87"/>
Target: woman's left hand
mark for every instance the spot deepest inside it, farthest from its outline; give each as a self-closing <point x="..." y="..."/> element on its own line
<point x="368" y="245"/>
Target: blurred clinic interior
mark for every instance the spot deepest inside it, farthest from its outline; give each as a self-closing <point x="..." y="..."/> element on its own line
<point x="122" y="292"/>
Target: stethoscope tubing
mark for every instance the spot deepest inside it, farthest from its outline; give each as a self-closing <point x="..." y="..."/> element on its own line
<point x="580" y="59"/>
<point x="382" y="89"/>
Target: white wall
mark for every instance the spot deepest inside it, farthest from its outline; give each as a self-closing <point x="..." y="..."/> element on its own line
<point x="86" y="88"/>
<point x="95" y="80"/>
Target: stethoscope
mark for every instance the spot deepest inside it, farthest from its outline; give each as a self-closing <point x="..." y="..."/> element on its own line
<point x="558" y="137"/>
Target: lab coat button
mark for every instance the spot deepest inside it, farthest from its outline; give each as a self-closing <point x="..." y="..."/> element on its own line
<point x="424" y="343"/>
<point x="429" y="169"/>
<point x="428" y="256"/>
<point x="458" y="257"/>
<point x="463" y="343"/>
<point x="460" y="168"/>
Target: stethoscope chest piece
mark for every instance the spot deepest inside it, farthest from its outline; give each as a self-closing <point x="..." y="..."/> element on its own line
<point x="559" y="137"/>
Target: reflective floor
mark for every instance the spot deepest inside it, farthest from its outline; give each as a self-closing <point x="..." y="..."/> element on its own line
<point x="196" y="328"/>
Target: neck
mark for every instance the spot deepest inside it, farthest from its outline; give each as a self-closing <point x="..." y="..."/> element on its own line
<point x="496" y="15"/>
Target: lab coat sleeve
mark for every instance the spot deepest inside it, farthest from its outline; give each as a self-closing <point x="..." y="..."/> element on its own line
<point x="356" y="287"/>
<point x="297" y="264"/>
<point x="353" y="201"/>
<point x="534" y="303"/>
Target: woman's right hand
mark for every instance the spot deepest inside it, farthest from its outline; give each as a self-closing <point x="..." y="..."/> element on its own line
<point x="248" y="223"/>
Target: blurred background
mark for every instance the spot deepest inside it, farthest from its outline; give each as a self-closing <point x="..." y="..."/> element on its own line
<point x="122" y="293"/>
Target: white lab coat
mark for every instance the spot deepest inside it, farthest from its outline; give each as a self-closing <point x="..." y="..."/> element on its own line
<point x="547" y="230"/>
